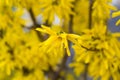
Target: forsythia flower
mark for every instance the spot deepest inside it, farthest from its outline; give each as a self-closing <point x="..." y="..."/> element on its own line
<point x="57" y="42"/>
<point x="60" y="8"/>
<point x="14" y="17"/>
<point x="80" y="20"/>
<point x="19" y="58"/>
<point x="101" y="9"/>
<point x="36" y="74"/>
<point x="100" y="50"/>
<point x="24" y="57"/>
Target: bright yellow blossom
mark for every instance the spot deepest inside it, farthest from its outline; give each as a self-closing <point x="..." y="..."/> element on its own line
<point x="60" y="8"/>
<point x="18" y="51"/>
<point x="14" y="17"/>
<point x="24" y="57"/>
<point x="80" y="20"/>
<point x="101" y="10"/>
<point x="100" y="50"/>
<point x="57" y="42"/>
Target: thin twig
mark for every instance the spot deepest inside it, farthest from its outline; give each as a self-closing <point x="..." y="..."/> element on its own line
<point x="35" y="25"/>
<point x="33" y="18"/>
<point x="89" y="26"/>
<point x="90" y="14"/>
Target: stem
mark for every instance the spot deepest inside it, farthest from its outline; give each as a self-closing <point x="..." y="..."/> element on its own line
<point x="89" y="26"/>
<point x="85" y="73"/>
<point x="35" y="25"/>
<point x="90" y="14"/>
<point x="62" y="67"/>
<point x="33" y="18"/>
<point x="1" y="33"/>
<point x="70" y="25"/>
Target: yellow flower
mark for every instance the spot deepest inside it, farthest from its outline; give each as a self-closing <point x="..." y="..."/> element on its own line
<point x="57" y="42"/>
<point x="18" y="50"/>
<point x="10" y="15"/>
<point x="101" y="9"/>
<point x="60" y="8"/>
<point x="100" y="50"/>
<point x="35" y="74"/>
<point x="80" y="20"/>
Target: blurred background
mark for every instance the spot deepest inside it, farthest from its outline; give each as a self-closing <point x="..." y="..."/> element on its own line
<point x="111" y="27"/>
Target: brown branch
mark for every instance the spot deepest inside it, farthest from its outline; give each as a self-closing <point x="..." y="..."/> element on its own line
<point x="71" y="24"/>
<point x="33" y="18"/>
<point x="89" y="26"/>
<point x="63" y="67"/>
<point x="90" y="14"/>
<point x="35" y="25"/>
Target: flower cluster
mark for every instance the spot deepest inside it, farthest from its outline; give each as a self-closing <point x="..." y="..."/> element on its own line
<point x="61" y="41"/>
<point x="43" y="50"/>
<point x="101" y="9"/>
<point x="99" y="50"/>
<point x="60" y="8"/>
